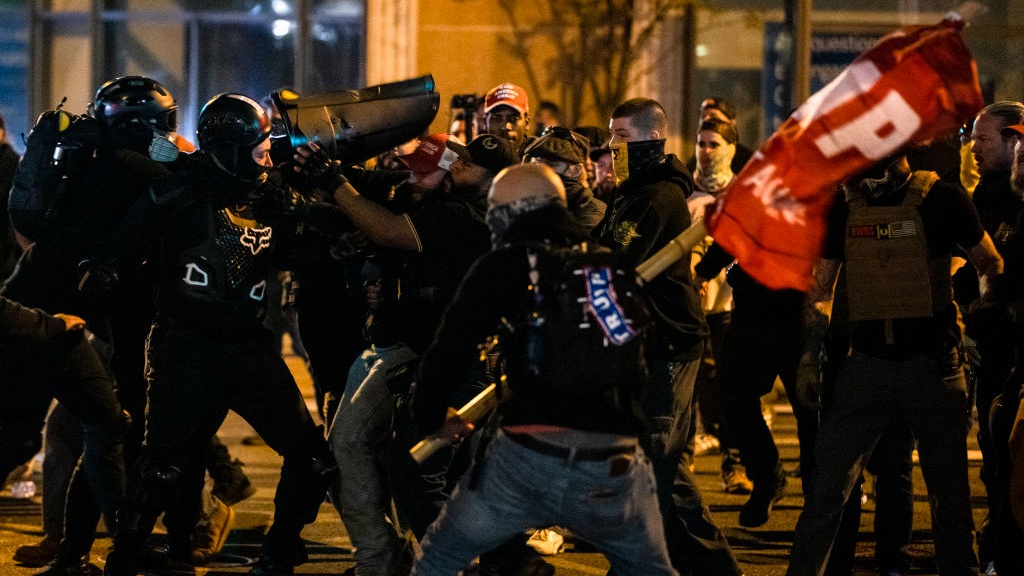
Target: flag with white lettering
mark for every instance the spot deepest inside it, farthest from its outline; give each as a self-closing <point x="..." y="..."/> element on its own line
<point x="914" y="85"/>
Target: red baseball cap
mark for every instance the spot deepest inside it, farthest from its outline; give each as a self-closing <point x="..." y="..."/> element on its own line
<point x="432" y="153"/>
<point x="1015" y="130"/>
<point x="507" y="95"/>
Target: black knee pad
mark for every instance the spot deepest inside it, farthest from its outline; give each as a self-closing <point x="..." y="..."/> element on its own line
<point x="155" y="479"/>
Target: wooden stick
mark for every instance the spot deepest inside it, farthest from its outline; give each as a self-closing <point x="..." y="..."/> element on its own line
<point x="473" y="411"/>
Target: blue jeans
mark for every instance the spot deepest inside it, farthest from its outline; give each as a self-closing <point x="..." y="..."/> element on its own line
<point x="930" y="394"/>
<point x="518" y="488"/>
<point x="361" y="428"/>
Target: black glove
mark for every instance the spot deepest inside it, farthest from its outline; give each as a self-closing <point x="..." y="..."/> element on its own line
<point x="95" y="280"/>
<point x="321" y="171"/>
<point x="274" y="200"/>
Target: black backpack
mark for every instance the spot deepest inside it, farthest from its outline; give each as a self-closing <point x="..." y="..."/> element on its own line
<point x="587" y="327"/>
<point x="60" y="143"/>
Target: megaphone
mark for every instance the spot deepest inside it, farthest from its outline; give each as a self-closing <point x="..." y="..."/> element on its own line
<point x="355" y="125"/>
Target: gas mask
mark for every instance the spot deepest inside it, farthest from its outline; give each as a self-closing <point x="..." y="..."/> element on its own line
<point x="162" y="147"/>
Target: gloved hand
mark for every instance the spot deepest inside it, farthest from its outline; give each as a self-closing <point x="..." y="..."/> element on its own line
<point x="808" y="381"/>
<point x="350" y="244"/>
<point x="318" y="168"/>
<point x="95" y="280"/>
<point x="274" y="200"/>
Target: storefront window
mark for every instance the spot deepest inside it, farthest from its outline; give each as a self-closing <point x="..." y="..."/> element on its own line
<point x="198" y="48"/>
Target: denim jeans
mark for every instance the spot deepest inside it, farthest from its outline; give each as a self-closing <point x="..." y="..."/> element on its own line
<point x="930" y="394"/>
<point x="694" y="541"/>
<point x="361" y="428"/>
<point x="517" y="488"/>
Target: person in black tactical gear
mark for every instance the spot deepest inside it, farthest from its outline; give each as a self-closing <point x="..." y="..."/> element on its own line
<point x="572" y="323"/>
<point x="106" y="169"/>
<point x="893" y="235"/>
<point x="208" y="351"/>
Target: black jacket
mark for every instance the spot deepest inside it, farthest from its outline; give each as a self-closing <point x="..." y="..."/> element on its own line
<point x="21" y="325"/>
<point x="647" y="211"/>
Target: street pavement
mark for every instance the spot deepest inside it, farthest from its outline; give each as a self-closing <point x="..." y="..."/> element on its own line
<point x="761" y="552"/>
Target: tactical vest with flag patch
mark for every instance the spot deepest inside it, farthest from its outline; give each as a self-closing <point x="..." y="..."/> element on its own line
<point x="890" y="273"/>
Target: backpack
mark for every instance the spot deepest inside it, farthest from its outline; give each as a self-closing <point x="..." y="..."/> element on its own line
<point x="60" y="143"/>
<point x="585" y="331"/>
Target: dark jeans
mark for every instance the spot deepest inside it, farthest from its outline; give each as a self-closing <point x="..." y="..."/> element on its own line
<point x="694" y="542"/>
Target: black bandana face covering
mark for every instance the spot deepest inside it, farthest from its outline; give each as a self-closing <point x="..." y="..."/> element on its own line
<point x="636" y="157"/>
<point x="499" y="218"/>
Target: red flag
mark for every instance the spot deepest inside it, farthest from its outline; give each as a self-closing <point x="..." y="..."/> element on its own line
<point x="914" y="85"/>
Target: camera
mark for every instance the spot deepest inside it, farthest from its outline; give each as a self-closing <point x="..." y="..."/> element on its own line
<point x="466" y="101"/>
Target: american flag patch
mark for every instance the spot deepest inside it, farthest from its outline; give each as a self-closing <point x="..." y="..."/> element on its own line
<point x="900" y="229"/>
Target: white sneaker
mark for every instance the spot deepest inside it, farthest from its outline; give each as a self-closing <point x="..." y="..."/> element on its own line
<point x="546" y="542"/>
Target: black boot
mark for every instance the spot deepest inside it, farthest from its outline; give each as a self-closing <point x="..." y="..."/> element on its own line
<point x="67" y="567"/>
<point x="268" y="566"/>
<point x="756" y="510"/>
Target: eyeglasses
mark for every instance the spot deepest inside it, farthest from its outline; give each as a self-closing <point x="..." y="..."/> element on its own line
<point x="566" y="134"/>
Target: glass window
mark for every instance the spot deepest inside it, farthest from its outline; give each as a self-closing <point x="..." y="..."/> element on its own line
<point x="71" y="5"/>
<point x="250" y="58"/>
<point x="336" y="56"/>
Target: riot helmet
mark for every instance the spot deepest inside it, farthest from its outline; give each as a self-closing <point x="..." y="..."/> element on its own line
<point x="230" y="127"/>
<point x="134" y="110"/>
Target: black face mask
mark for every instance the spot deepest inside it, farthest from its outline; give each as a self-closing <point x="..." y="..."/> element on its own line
<point x="573" y="188"/>
<point x="132" y="136"/>
<point x="633" y="158"/>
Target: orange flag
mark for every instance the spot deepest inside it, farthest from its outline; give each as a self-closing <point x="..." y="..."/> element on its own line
<point x="914" y="85"/>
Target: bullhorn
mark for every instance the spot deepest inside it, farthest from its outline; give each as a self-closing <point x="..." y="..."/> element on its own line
<point x="355" y="125"/>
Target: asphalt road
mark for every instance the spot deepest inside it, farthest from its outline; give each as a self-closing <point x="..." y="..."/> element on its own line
<point x="761" y="552"/>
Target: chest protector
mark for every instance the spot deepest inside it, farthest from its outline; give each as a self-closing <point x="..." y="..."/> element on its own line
<point x="230" y="265"/>
<point x="582" y="334"/>
<point x="890" y="273"/>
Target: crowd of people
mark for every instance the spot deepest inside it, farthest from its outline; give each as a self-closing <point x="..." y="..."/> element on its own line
<point x="505" y="264"/>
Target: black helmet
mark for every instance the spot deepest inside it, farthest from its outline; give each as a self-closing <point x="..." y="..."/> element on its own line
<point x="230" y="126"/>
<point x="127" y="99"/>
<point x="232" y="119"/>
